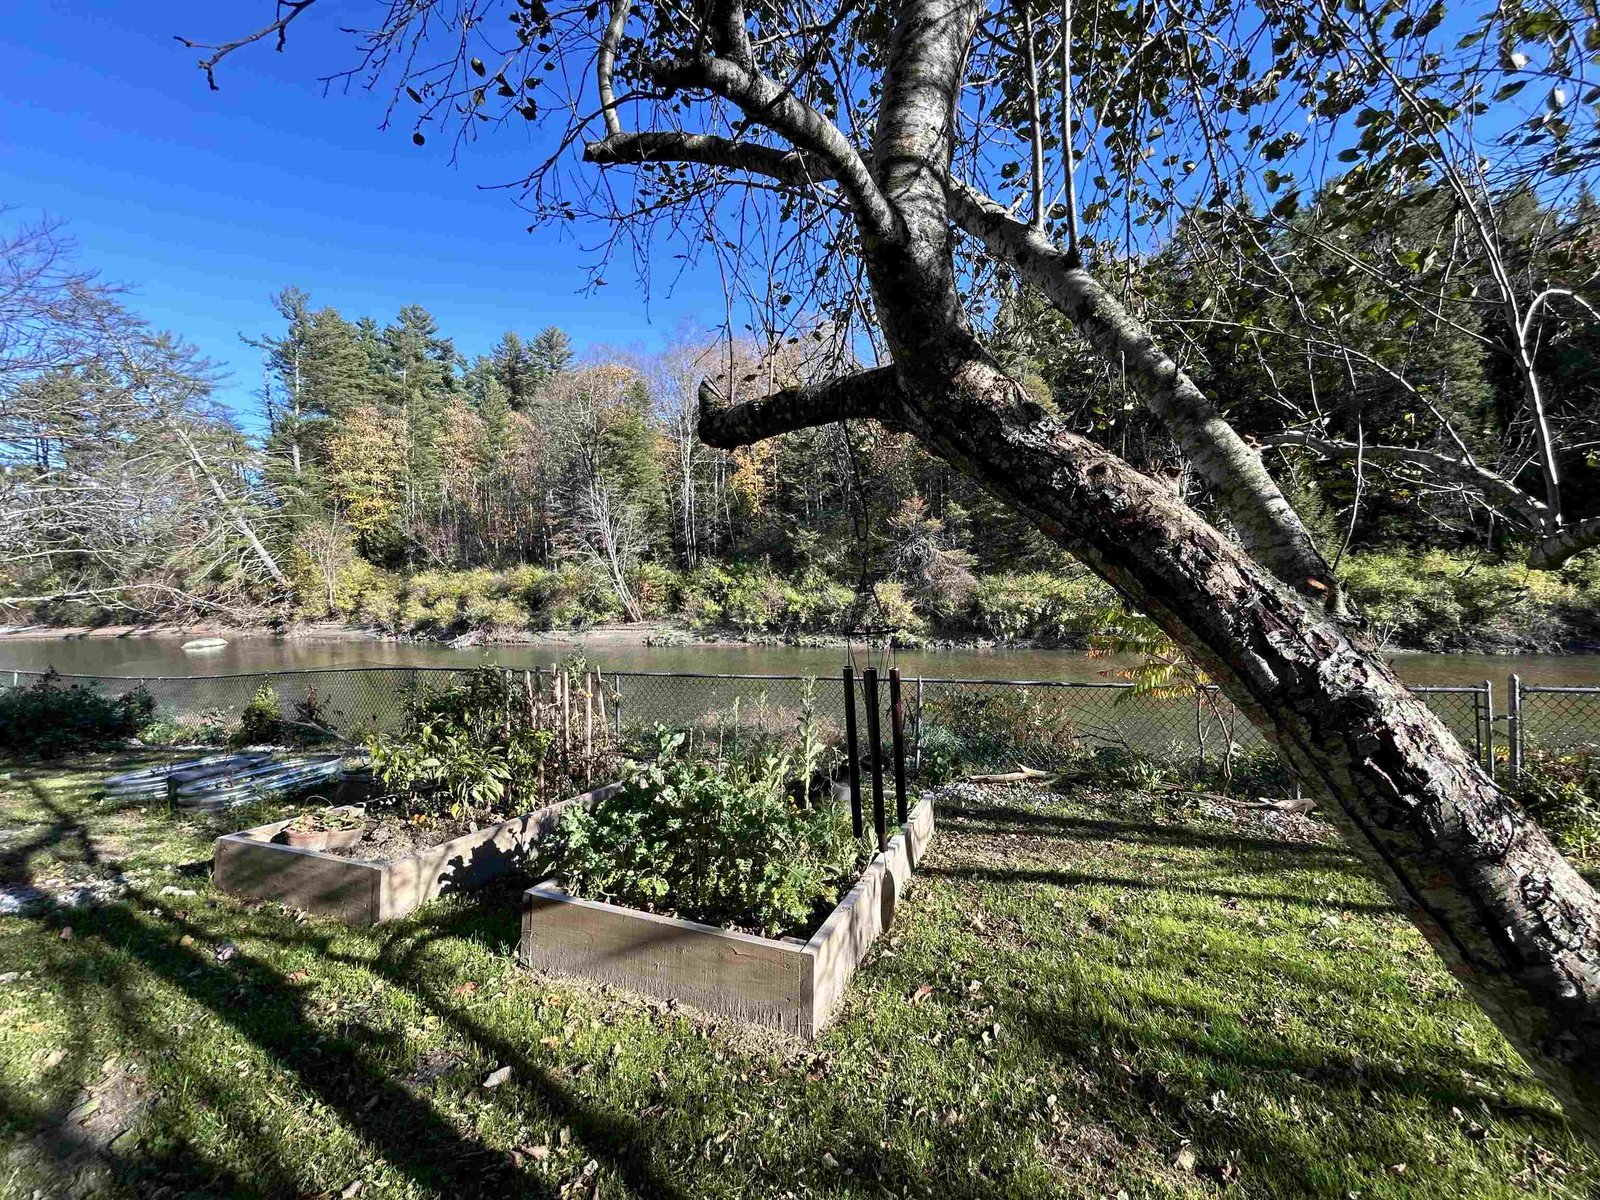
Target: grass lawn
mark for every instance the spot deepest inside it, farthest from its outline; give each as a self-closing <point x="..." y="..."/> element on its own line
<point x="1082" y="997"/>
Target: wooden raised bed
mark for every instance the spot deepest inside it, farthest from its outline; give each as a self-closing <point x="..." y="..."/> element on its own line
<point x="250" y="863"/>
<point x="788" y="984"/>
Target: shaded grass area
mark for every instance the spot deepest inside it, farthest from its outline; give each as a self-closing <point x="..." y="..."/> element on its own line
<point x="1079" y="999"/>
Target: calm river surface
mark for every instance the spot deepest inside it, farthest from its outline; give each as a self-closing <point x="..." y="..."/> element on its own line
<point x="165" y="656"/>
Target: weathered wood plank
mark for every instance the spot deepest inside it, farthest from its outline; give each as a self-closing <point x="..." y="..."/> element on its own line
<point x="250" y="863"/>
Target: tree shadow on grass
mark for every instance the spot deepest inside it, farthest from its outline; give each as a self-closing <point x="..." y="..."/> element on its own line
<point x="63" y="835"/>
<point x="339" y="1070"/>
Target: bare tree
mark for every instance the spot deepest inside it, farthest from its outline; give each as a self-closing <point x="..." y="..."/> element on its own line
<point x="121" y="484"/>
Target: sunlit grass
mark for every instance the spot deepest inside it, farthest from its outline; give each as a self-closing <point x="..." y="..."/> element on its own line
<point x="1077" y="1000"/>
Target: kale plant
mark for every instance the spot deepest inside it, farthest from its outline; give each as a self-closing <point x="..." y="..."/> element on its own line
<point x="710" y="841"/>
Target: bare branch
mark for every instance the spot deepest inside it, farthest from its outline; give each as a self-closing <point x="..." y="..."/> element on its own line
<point x="787" y="166"/>
<point x="287" y="11"/>
<point x="1531" y="512"/>
<point x="766" y="101"/>
<point x="1266" y="522"/>
<point x="874" y="393"/>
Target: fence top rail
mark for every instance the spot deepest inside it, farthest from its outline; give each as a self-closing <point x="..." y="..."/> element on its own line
<point x="1588" y="691"/>
<point x="387" y="668"/>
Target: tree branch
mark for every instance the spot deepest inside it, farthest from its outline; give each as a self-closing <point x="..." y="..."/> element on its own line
<point x="1552" y="551"/>
<point x="768" y="102"/>
<point x="786" y="166"/>
<point x="605" y="61"/>
<point x="287" y="10"/>
<point x="873" y="393"/>
<point x="1460" y="470"/>
<point x="1266" y="522"/>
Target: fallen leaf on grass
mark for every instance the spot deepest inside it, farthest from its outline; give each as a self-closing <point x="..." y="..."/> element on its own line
<point x="497" y="1077"/>
<point x="553" y="1040"/>
<point x="1184" y="1160"/>
<point x="66" y="933"/>
<point x="299" y="976"/>
<point x="464" y="989"/>
<point x="351" y="1192"/>
<point x="226" y="951"/>
<point x="921" y="994"/>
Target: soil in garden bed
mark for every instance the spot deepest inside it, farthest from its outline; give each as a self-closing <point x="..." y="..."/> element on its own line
<point x="391" y="838"/>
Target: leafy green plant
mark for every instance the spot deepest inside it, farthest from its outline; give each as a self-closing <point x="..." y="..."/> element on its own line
<point x="466" y="750"/>
<point x="1561" y="790"/>
<point x="262" y="719"/>
<point x="435" y="761"/>
<point x="709" y="841"/>
<point x="48" y="720"/>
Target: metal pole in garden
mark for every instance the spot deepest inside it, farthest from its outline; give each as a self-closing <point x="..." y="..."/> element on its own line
<point x="854" y="757"/>
<point x="870" y="678"/>
<point x="897" y="729"/>
<point x="616" y="690"/>
<point x="919" y="723"/>
<point x="1514" y="725"/>
<point x="1488" y="726"/>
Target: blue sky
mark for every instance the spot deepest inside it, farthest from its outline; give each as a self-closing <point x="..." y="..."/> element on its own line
<point x="206" y="203"/>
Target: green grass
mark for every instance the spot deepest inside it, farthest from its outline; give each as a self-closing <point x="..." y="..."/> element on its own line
<point x="1111" y="994"/>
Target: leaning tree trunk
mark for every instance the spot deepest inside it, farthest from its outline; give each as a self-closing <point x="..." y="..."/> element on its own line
<point x="1511" y="918"/>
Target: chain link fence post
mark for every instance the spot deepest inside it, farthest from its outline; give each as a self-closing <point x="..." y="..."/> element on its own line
<point x="1514" y="726"/>
<point x="1488" y="726"/>
<point x="919" y="724"/>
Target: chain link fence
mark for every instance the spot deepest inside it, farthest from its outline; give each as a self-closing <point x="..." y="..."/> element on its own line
<point x="982" y="723"/>
<point x="1550" y="721"/>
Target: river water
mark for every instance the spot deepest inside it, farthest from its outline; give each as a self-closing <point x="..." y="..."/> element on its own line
<point x="150" y="656"/>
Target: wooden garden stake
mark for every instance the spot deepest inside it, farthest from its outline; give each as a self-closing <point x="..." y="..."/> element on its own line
<point x="566" y="716"/>
<point x="588" y="728"/>
<point x="600" y="699"/>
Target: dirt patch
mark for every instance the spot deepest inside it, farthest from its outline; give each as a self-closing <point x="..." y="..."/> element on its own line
<point x="385" y="841"/>
<point x="100" y="1127"/>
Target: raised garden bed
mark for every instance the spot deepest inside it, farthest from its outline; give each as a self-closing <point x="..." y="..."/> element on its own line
<point x="361" y="892"/>
<point x="785" y="983"/>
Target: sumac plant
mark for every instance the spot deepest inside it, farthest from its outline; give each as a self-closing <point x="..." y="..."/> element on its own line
<point x="709" y="841"/>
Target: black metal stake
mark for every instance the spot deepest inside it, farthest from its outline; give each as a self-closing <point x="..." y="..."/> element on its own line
<point x="870" y="676"/>
<point x="897" y="730"/>
<point x="854" y="757"/>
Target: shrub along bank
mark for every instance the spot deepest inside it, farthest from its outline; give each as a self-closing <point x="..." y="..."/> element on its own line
<point x="1424" y="600"/>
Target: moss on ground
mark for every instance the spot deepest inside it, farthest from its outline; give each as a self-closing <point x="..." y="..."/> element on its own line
<point x="1081" y="999"/>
